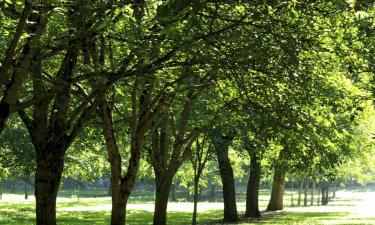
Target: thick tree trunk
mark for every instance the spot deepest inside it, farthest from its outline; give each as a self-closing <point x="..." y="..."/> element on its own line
<point x="119" y="202"/>
<point x="312" y="193"/>
<point x="252" y="193"/>
<point x="163" y="187"/>
<point x="47" y="182"/>
<point x="277" y="194"/>
<point x="305" y="193"/>
<point x="227" y="178"/>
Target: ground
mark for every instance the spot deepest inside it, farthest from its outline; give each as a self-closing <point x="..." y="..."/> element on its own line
<point x="349" y="207"/>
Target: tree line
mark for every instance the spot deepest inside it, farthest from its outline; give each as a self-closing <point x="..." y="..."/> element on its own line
<point x="168" y="82"/>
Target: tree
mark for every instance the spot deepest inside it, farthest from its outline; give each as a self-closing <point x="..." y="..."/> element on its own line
<point x="221" y="139"/>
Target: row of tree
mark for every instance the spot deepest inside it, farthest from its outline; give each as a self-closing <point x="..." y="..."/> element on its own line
<point x="168" y="81"/>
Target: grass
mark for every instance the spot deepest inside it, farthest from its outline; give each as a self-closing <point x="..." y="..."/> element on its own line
<point x="344" y="210"/>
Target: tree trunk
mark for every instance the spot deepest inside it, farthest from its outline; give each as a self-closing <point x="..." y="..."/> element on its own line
<point x="119" y="202"/>
<point x="252" y="193"/>
<point x="323" y="195"/>
<point x="47" y="182"/>
<point x="318" y="200"/>
<point x="78" y="192"/>
<point x="327" y="195"/>
<point x="173" y="194"/>
<point x="195" y="197"/>
<point x="291" y="195"/>
<point x="334" y="191"/>
<point x="305" y="193"/>
<point x="212" y="192"/>
<point x="163" y="187"/>
<point x="1" y="189"/>
<point x="110" y="189"/>
<point x="227" y="178"/>
<point x="26" y="189"/>
<point x="277" y="194"/>
<point x="14" y="186"/>
<point x="312" y="193"/>
<point x="300" y="192"/>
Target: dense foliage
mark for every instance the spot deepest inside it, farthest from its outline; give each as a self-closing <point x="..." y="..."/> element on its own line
<point x="194" y="93"/>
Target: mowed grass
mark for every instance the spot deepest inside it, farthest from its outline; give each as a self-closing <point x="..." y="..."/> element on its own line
<point x="344" y="210"/>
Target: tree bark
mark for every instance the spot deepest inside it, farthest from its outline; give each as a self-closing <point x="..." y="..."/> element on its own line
<point x="212" y="192"/>
<point x="26" y="188"/>
<point x="47" y="181"/>
<point x="1" y="189"/>
<point x="121" y="185"/>
<point x="305" y="193"/>
<point x="163" y="187"/>
<point x="195" y="199"/>
<point x="318" y="199"/>
<point x="277" y="194"/>
<point x="300" y="192"/>
<point x="119" y="201"/>
<point x="325" y="192"/>
<point x="312" y="193"/>
<point x="252" y="193"/>
<point x="227" y="178"/>
<point x="173" y="193"/>
<point x="291" y="195"/>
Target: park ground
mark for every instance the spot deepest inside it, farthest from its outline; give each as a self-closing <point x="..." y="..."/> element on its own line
<point x="355" y="206"/>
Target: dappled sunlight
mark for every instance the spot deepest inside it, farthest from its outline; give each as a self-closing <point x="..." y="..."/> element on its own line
<point x="347" y="208"/>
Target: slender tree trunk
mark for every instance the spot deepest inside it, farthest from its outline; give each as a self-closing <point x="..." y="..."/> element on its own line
<point x="26" y="189"/>
<point x="291" y="195"/>
<point x="163" y="187"/>
<point x="300" y="192"/>
<point x="14" y="186"/>
<point x="47" y="181"/>
<point x="110" y="189"/>
<point x="318" y="199"/>
<point x="327" y="195"/>
<point x="188" y="196"/>
<point x="252" y="193"/>
<point x="78" y="190"/>
<point x="212" y="192"/>
<point x="277" y="194"/>
<point x="334" y="191"/>
<point x="121" y="185"/>
<point x="227" y="178"/>
<point x="196" y="190"/>
<point x="173" y="194"/>
<point x="305" y="193"/>
<point x="312" y="193"/>
<point x="1" y="189"/>
<point x="323" y="195"/>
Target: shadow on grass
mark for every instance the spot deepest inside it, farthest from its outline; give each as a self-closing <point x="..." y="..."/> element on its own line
<point x="285" y="218"/>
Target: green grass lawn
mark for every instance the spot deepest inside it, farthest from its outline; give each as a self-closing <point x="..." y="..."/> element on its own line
<point x="91" y="211"/>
